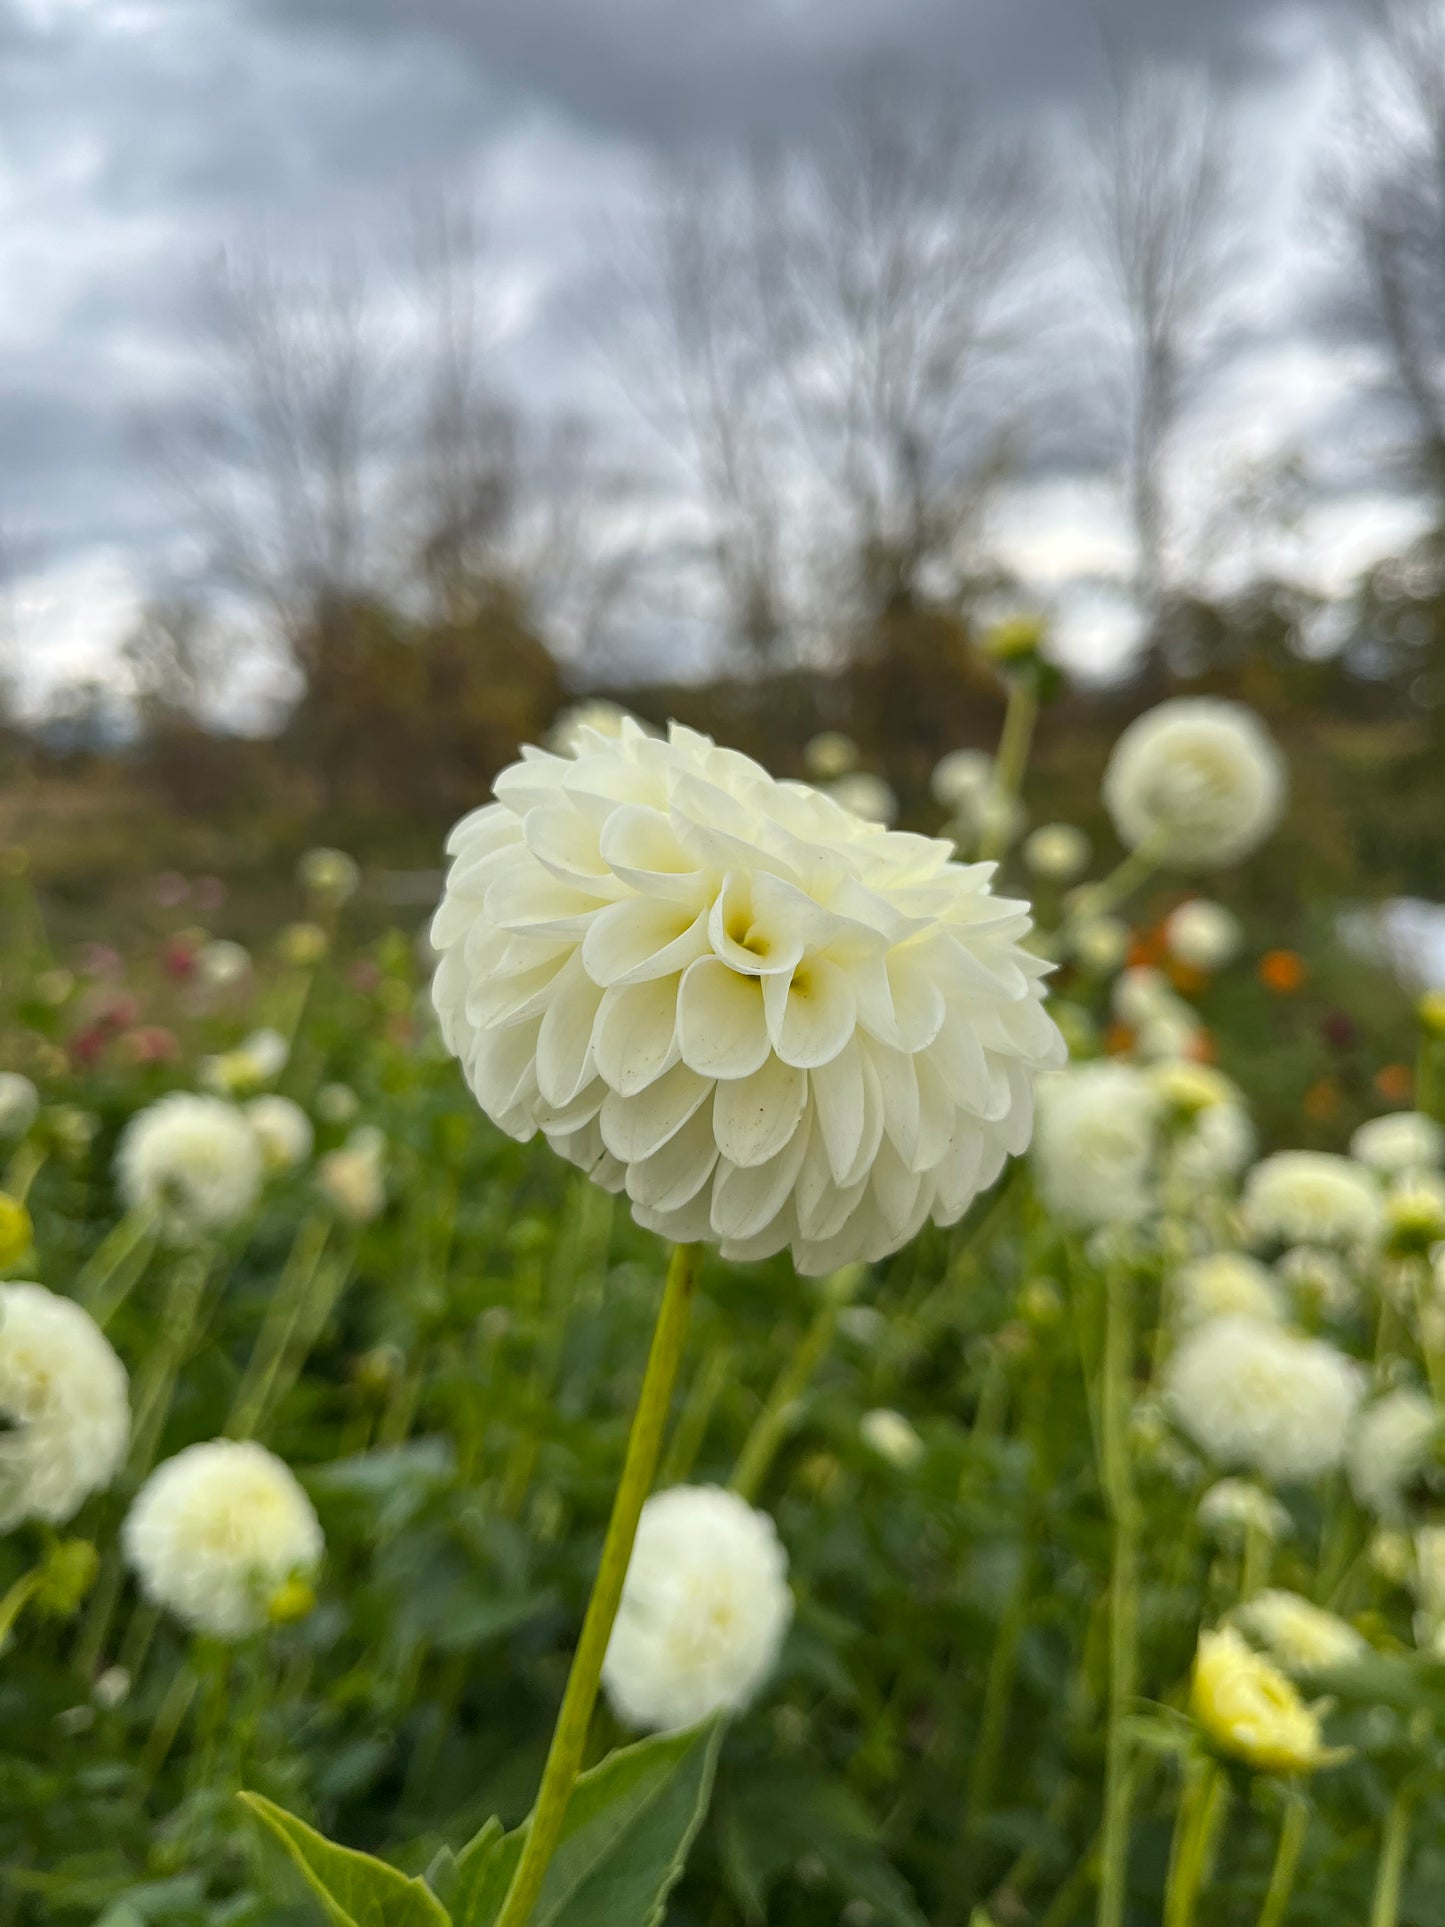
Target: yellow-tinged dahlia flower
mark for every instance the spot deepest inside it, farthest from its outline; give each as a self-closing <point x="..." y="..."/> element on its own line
<point x="63" y="1403"/>
<point x="1197" y="781"/>
<point x="771" y="1023"/>
<point x="220" y="1534"/>
<point x="1249" y="1709"/>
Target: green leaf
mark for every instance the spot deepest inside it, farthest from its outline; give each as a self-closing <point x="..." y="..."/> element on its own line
<point x="355" y="1890"/>
<point x="628" y="1829"/>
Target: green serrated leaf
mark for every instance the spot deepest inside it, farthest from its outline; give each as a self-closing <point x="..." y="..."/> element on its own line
<point x="354" y="1889"/>
<point x="629" y="1826"/>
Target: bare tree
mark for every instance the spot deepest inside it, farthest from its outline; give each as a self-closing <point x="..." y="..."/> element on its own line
<point x="893" y="255"/>
<point x="1163" y="237"/>
<point x="1387" y="193"/>
<point x="275" y="455"/>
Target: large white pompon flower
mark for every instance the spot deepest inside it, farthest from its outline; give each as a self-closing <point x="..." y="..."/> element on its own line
<point x="1250" y="1393"/>
<point x="1225" y="1282"/>
<point x="1096" y="1144"/>
<point x="1398" y="1142"/>
<point x="217" y="1532"/>
<point x="704" y="1610"/>
<point x="1312" y="1198"/>
<point x="1393" y="1443"/>
<point x="1197" y="781"/>
<point x="772" y="1023"/>
<point x="193" y="1160"/>
<point x="64" y="1405"/>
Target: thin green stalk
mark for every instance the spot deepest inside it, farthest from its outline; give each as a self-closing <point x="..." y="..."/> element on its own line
<point x="1123" y="1590"/>
<point x="696" y="1416"/>
<point x="781" y="1411"/>
<point x="1258" y="1557"/>
<point x="291" y="1302"/>
<point x="1015" y="741"/>
<point x="16" y="1600"/>
<point x="22" y="1171"/>
<point x="644" y="1447"/>
<point x="1195" y="1827"/>
<point x="1293" y="1828"/>
<point x="998" y="1692"/>
<point x="116" y="1266"/>
<point x="1390" y="1870"/>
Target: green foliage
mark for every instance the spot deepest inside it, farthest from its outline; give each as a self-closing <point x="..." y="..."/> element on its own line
<point x="355" y="1889"/>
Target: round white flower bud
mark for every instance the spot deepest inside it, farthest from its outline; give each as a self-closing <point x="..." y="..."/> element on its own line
<point x="222" y="964"/>
<point x="1059" y="852"/>
<point x="704" y="1610"/>
<point x="353" y="1179"/>
<point x="63" y="1399"/>
<point x="866" y="795"/>
<point x="19" y="1104"/>
<point x="1312" y="1197"/>
<point x="962" y="779"/>
<point x="1225" y="1282"/>
<point x="1250" y="1393"/>
<point x="283" y="1130"/>
<point x="1203" y="935"/>
<point x="1096" y="1144"/>
<point x="1101" y="944"/>
<point x="891" y="1436"/>
<point x="1400" y="1141"/>
<point x="217" y="1532"/>
<point x="337" y="1103"/>
<point x="1198" y="781"/>
<point x="193" y="1160"/>
<point x="829" y="754"/>
<point x="1302" y="1637"/>
<point x="771" y="1023"/>
<point x="331" y="876"/>
<point x="1392" y="1445"/>
<point x="1233" y="1508"/>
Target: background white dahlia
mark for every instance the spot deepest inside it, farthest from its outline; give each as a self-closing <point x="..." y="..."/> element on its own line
<point x="704" y="1610"/>
<point x="1250" y="1393"/>
<point x="1313" y="1198"/>
<point x="63" y="1401"/>
<point x="216" y="1532"/>
<point x="770" y="1022"/>
<point x="194" y="1160"/>
<point x="1094" y="1156"/>
<point x="1197" y="781"/>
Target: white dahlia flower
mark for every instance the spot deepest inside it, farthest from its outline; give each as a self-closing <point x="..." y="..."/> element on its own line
<point x="283" y="1130"/>
<point x="1214" y="1148"/>
<point x="194" y="1160"/>
<point x="216" y="1534"/>
<point x="1415" y="1213"/>
<point x="19" y="1104"/>
<point x="704" y="1610"/>
<point x="1101" y="944"/>
<point x="962" y="779"/>
<point x="1312" y="1197"/>
<point x="1203" y="935"/>
<point x="1400" y="1141"/>
<point x="772" y="1023"/>
<point x="573" y="729"/>
<point x="1302" y="1637"/>
<point x="1393" y="1444"/>
<point x="331" y="876"/>
<point x="1225" y="1282"/>
<point x="64" y="1406"/>
<point x="1197" y="781"/>
<point x="829" y="754"/>
<point x="1252" y="1394"/>
<point x="1096" y="1144"/>
<point x="1141" y="994"/>
<point x="1232" y="1509"/>
<point x="1058" y="852"/>
<point x="891" y="1436"/>
<point x="865" y="795"/>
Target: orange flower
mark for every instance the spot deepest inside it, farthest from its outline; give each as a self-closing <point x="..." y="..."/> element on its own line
<point x="1147" y="950"/>
<point x="1283" y="971"/>
<point x="1118" y="1040"/>
<point x="1202" y="1048"/>
<point x="1322" y="1100"/>
<point x="1187" y="979"/>
<point x="1395" y="1082"/>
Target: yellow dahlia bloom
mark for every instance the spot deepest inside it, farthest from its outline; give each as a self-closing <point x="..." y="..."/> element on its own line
<point x="1249" y="1709"/>
<point x="770" y="1022"/>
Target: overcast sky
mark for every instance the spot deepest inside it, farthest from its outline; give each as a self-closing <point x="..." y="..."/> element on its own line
<point x="140" y="137"/>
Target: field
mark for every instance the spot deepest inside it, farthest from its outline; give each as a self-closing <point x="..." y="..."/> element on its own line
<point x="1114" y="1589"/>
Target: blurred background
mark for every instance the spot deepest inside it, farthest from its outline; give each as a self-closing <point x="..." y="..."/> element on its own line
<point x="377" y="381"/>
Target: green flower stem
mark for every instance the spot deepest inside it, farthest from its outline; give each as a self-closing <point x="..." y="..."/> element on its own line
<point x="644" y="1448"/>
<point x="1258" y="1557"/>
<point x="1195" y="1827"/>
<point x="781" y="1411"/>
<point x="1390" y="1871"/>
<point x="22" y="1171"/>
<point x="696" y="1415"/>
<point x="1014" y="743"/>
<point x="1123" y="1589"/>
<point x="116" y="1266"/>
<point x="1293" y="1828"/>
<point x="16" y="1600"/>
<point x="290" y="1311"/>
